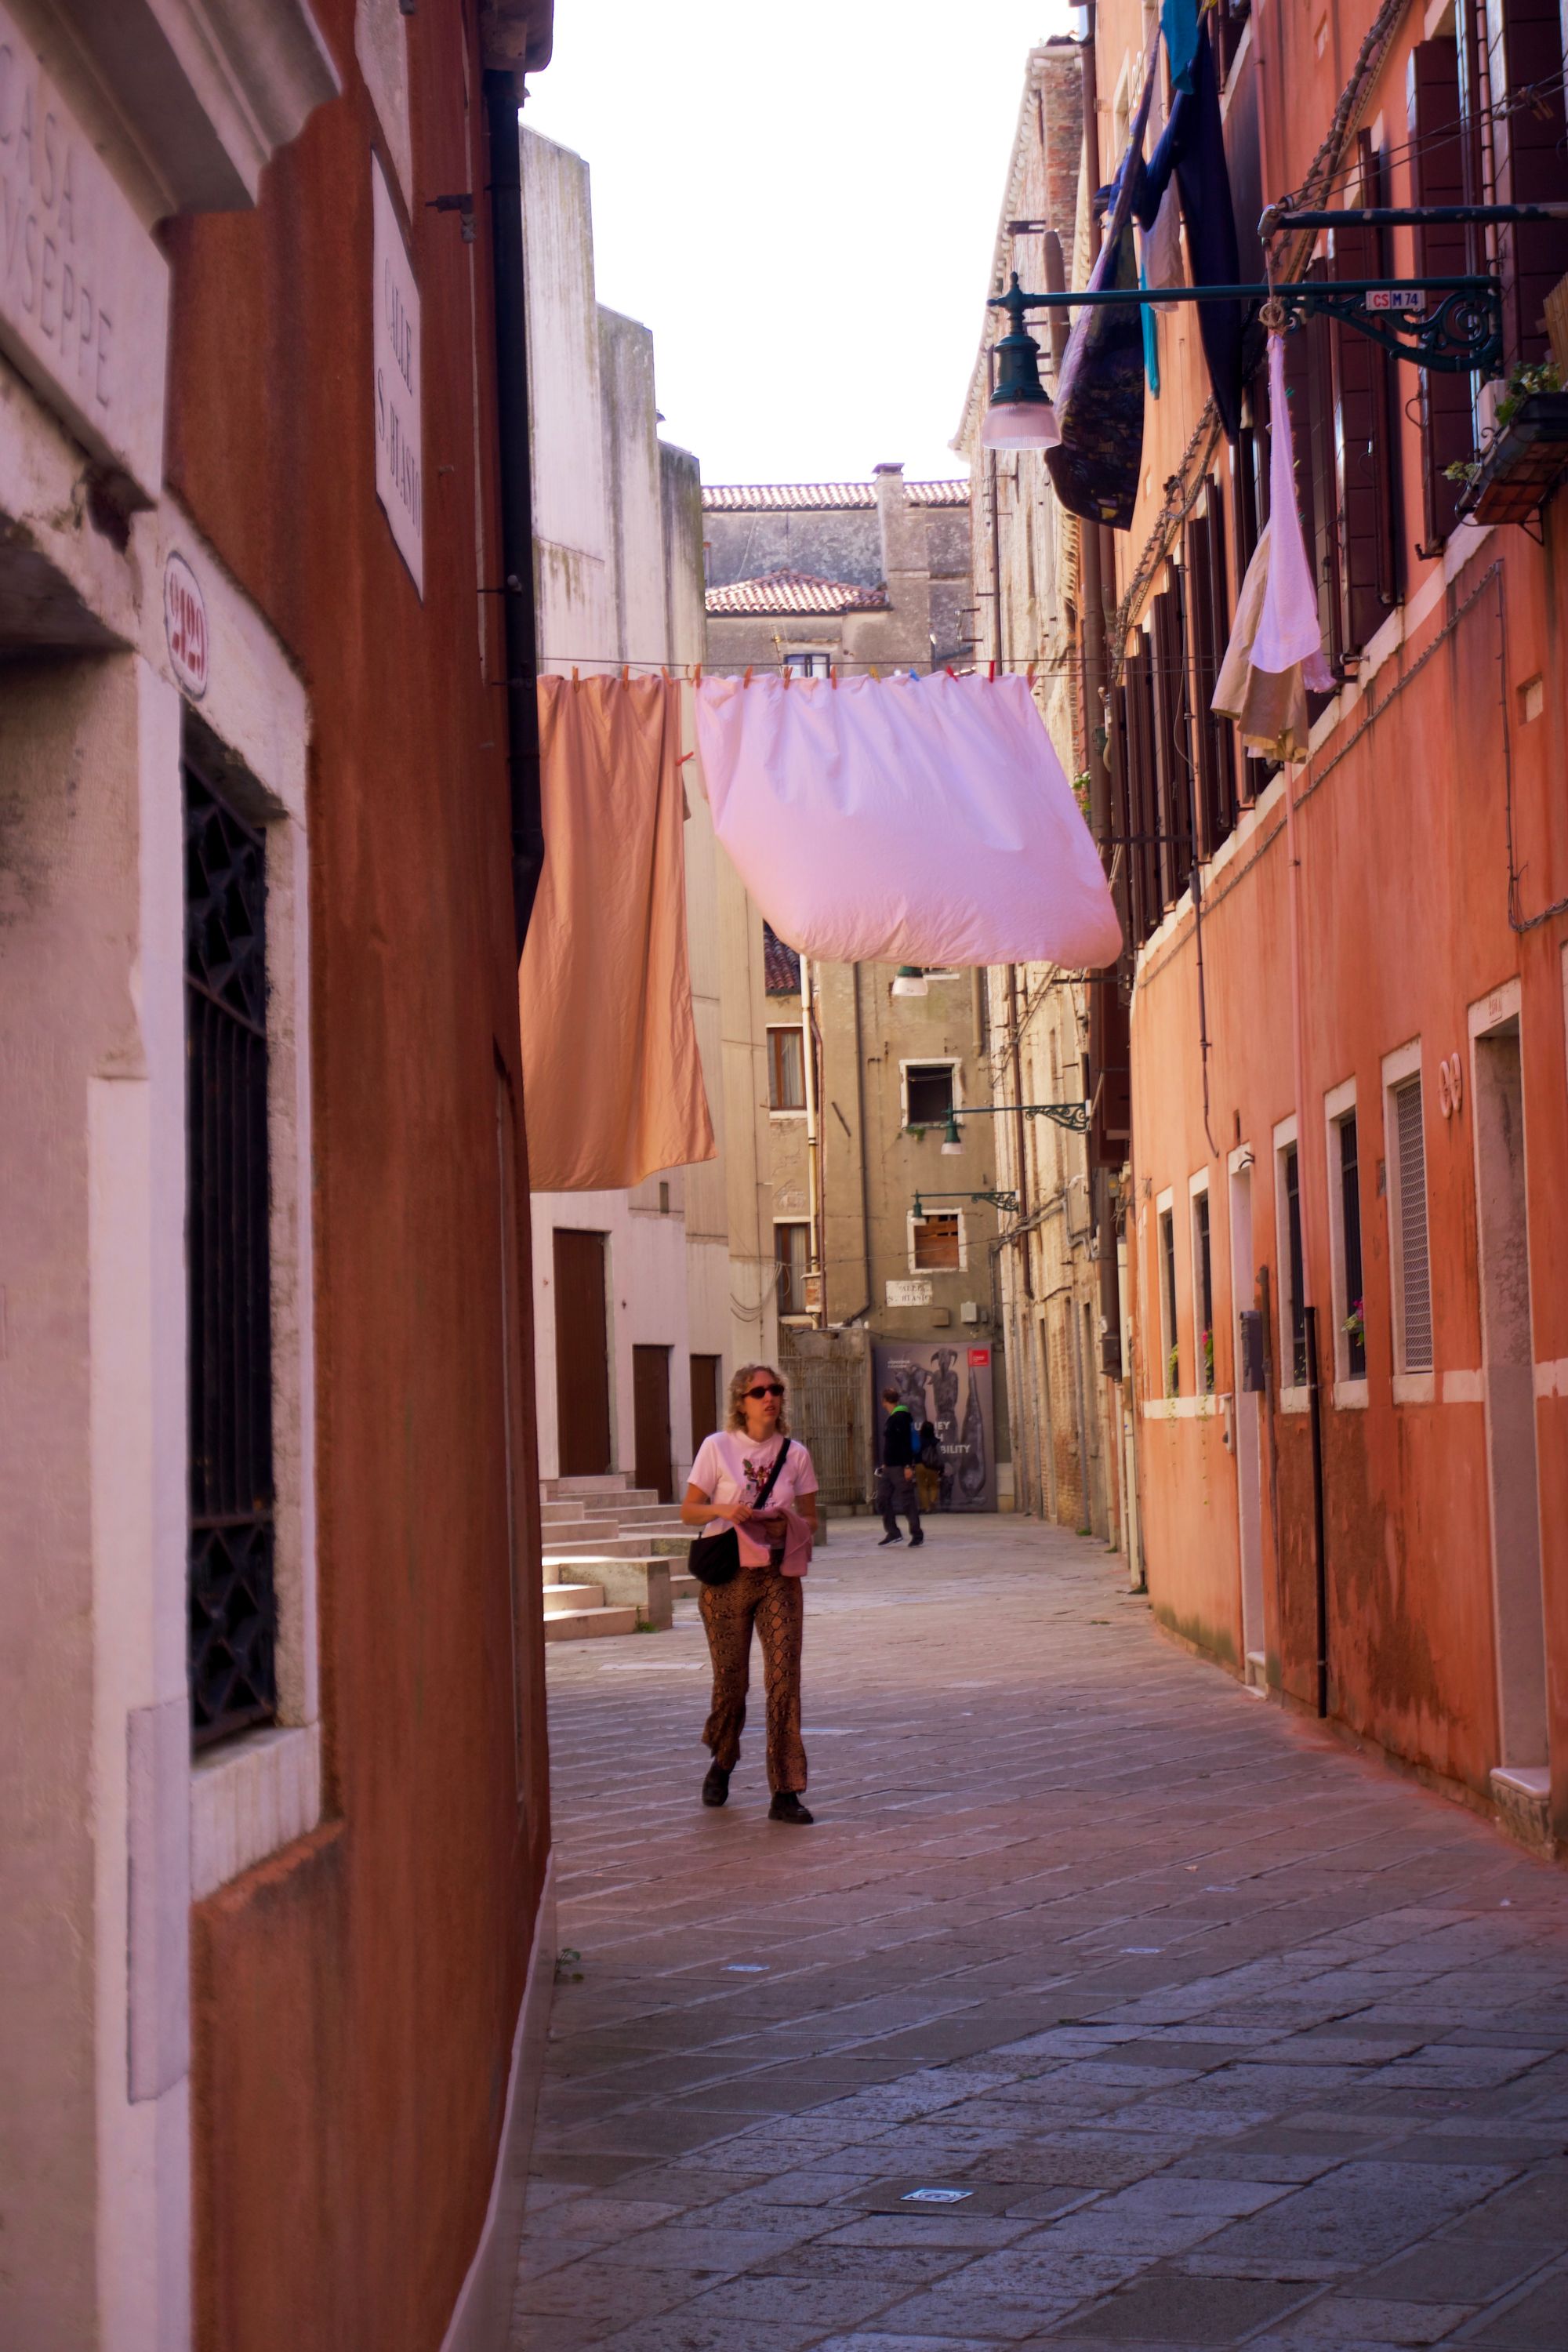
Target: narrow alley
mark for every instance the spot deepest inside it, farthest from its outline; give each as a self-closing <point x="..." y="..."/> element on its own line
<point x="1207" y="2031"/>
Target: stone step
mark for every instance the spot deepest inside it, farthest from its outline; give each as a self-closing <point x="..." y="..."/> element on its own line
<point x="609" y="1485"/>
<point x="587" y="1624"/>
<point x="579" y="1530"/>
<point x="684" y="1588"/>
<point x="617" y="1547"/>
<point x="642" y="1583"/>
<point x="561" y="1597"/>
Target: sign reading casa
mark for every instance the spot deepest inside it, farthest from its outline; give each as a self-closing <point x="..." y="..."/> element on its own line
<point x="398" y="382"/>
<point x="84" y="291"/>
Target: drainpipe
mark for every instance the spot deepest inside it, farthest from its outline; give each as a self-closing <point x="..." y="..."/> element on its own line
<point x="813" y="1141"/>
<point x="1308" y="1311"/>
<point x="860" y="1136"/>
<point x="516" y="494"/>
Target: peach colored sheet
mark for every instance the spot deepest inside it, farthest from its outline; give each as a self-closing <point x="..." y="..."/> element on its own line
<point x="612" y="1082"/>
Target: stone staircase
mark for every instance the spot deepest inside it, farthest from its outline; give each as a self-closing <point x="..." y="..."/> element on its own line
<point x="614" y="1558"/>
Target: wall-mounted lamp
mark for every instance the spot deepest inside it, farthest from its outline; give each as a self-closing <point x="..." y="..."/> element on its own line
<point x="909" y="980"/>
<point x="1020" y="415"/>
<point x="951" y="1141"/>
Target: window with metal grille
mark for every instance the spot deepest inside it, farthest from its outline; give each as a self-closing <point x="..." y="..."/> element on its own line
<point x="1410" y="1209"/>
<point x="928" y="1089"/>
<point x="791" y="1255"/>
<point x="228" y="1269"/>
<point x="1354" y="1325"/>
<point x="787" y="1069"/>
<point x="1202" y="1286"/>
<point x="1172" y="1379"/>
<point x="938" y="1246"/>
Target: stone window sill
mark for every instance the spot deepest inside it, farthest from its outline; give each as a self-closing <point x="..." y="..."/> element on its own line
<point x="250" y="1797"/>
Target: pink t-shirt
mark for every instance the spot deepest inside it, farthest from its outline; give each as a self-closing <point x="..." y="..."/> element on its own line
<point x="731" y="1467"/>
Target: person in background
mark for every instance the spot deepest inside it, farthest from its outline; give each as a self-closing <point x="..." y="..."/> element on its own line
<point x="732" y="1469"/>
<point x="928" y="1469"/>
<point x="896" y="1487"/>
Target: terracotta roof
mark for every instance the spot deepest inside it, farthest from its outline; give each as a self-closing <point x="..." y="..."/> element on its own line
<point x="781" y="965"/>
<point x="795" y="591"/>
<point x="768" y="497"/>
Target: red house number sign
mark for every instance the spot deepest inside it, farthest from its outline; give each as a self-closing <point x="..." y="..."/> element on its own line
<point x="186" y="625"/>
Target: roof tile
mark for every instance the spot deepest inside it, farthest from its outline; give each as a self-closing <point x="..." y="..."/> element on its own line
<point x="768" y="497"/>
<point x="781" y="593"/>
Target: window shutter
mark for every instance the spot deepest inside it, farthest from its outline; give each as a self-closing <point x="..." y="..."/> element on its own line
<point x="1415" y="1278"/>
<point x="1209" y="627"/>
<point x="1143" y="857"/>
<point x="1526" y="52"/>
<point x="1109" y="1075"/>
<point x="1173" y="741"/>
<point x="1362" y="488"/>
<point x="1310" y="389"/>
<point x="1437" y="161"/>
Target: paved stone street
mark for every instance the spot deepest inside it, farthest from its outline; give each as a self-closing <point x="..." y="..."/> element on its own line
<point x="1227" y="2036"/>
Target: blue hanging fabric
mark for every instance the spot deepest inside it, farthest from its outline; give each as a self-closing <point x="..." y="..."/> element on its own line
<point x="1150" y="334"/>
<point x="1179" y="24"/>
<point x="1193" y="146"/>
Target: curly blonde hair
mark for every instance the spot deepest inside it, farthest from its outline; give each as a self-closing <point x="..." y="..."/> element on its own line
<point x="740" y="1381"/>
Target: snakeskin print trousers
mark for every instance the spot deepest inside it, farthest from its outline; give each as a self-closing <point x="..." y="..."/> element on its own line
<point x="776" y="1605"/>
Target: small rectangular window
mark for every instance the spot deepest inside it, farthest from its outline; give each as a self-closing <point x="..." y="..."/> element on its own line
<point x="1352" y="1321"/>
<point x="929" y="1090"/>
<point x="791" y="1256"/>
<point x="937" y="1246"/>
<point x="1410" y="1228"/>
<point x="1172" y="1367"/>
<point x="1203" y="1292"/>
<point x="787" y="1069"/>
<point x="1292" y="1310"/>
<point x="808" y="664"/>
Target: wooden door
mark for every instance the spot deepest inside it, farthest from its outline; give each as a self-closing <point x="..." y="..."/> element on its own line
<point x="706" y="1374"/>
<point x="650" y="1413"/>
<point x="581" y="1354"/>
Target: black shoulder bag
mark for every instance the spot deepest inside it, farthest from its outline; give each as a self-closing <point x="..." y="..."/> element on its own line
<point x="716" y="1560"/>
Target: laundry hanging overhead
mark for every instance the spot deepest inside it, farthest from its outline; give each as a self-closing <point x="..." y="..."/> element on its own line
<point x="1192" y="146"/>
<point x="612" y="1082"/>
<point x="1275" y="655"/>
<point x="904" y="820"/>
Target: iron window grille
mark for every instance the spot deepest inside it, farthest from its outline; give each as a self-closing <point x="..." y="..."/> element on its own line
<point x="232" y="1603"/>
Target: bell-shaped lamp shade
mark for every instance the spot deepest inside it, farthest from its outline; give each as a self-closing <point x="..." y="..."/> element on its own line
<point x="1020" y="424"/>
<point x="909" y="980"/>
<point x="953" y="1141"/>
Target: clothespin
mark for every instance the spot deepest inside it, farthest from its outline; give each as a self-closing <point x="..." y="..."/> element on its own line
<point x="684" y="757"/>
<point x="876" y="673"/>
<point x="787" y="673"/>
<point x="626" y="673"/>
<point x="573" y="678"/>
<point x="697" y="675"/>
<point x="991" y="672"/>
<point x="833" y="676"/>
<point x="747" y="680"/>
<point x="1031" y="677"/>
<point x="948" y="670"/>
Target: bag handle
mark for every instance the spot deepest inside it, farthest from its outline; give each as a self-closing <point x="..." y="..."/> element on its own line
<point x="773" y="1475"/>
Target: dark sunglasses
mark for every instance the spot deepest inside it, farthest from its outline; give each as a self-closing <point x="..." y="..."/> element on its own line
<point x="774" y="1388"/>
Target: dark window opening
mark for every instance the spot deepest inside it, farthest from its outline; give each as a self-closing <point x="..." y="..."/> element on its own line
<point x="1172" y="1367"/>
<point x="791" y="1258"/>
<point x="937" y="1246"/>
<point x="1350" y="1230"/>
<point x="930" y="1093"/>
<point x="1293" y="1237"/>
<point x="232" y="1629"/>
<point x="1203" y="1271"/>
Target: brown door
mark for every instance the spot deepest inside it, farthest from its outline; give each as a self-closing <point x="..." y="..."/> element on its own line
<point x="650" y="1406"/>
<point x="581" y="1354"/>
<point x="706" y="1372"/>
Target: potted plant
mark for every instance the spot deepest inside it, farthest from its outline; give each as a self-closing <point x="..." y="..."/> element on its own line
<point x="1172" y="1372"/>
<point x="1206" y="1345"/>
<point x="1355" y="1325"/>
<point x="1525" y="454"/>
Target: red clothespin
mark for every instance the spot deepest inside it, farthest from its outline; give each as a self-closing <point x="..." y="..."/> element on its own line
<point x="747" y="680"/>
<point x="990" y="673"/>
<point x="697" y="675"/>
<point x="1031" y="677"/>
<point x="948" y="671"/>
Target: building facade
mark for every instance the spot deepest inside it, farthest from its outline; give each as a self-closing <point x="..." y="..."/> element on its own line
<point x="272" y="1684"/>
<point x="1349" y="1094"/>
<point x="877" y="1197"/>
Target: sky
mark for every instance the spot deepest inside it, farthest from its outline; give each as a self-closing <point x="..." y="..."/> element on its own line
<point x="802" y="205"/>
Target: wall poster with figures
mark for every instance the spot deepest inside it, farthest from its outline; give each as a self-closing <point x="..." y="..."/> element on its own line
<point x="949" y="1386"/>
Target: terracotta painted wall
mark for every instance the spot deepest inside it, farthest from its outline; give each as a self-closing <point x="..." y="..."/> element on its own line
<point x="1406" y="900"/>
<point x="356" y="1996"/>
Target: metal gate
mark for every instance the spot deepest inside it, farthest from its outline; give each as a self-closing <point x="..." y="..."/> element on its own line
<point x="828" y="1406"/>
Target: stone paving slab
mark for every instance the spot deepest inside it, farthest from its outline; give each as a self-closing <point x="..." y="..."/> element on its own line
<point x="1228" y="2035"/>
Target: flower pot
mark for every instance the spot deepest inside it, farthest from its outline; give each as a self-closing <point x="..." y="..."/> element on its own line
<point x="1523" y="464"/>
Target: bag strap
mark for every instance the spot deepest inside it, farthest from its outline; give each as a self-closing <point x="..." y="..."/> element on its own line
<point x="773" y="1475"/>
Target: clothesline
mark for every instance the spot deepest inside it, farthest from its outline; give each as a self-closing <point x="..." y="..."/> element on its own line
<point x="693" y="673"/>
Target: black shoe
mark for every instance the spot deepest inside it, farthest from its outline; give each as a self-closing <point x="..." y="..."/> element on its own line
<point x="716" y="1785"/>
<point x="915" y="1541"/>
<point x="786" y="1806"/>
<point x="887" y="1539"/>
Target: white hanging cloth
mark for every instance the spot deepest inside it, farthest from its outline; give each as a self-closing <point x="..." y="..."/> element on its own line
<point x="904" y="820"/>
<point x="1275" y="655"/>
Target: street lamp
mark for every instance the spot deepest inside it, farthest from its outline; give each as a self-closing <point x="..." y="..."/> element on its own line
<point x="909" y="980"/>
<point x="1020" y="415"/>
<point x="951" y="1142"/>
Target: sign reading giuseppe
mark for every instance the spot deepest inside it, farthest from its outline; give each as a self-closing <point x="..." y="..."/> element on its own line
<point x="399" y="383"/>
<point x="84" y="291"/>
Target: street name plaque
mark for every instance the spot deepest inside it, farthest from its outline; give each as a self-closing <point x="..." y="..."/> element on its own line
<point x="398" y="382"/>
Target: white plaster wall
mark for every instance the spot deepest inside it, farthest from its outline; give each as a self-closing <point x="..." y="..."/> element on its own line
<point x="646" y="1289"/>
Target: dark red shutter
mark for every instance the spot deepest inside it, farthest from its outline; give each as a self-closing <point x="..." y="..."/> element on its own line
<point x="1109" y="1075"/>
<point x="1437" y="159"/>
<point x="1208" y="614"/>
<point x="1528" y="144"/>
<point x="1173" y="741"/>
<point x="1361" y="484"/>
<point x="1143" y="853"/>
<point x="1309" y="387"/>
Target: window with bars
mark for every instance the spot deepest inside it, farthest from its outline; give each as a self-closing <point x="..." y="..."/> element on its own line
<point x="1414" y="1270"/>
<point x="1352" y="1325"/>
<point x="787" y="1069"/>
<point x="231" y="1607"/>
<point x="1202" y="1291"/>
<point x="1172" y="1381"/>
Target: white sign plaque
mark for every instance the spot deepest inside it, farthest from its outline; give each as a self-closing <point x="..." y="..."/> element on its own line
<point x="186" y="625"/>
<point x="909" y="1294"/>
<point x="84" y="291"/>
<point x="399" y="383"/>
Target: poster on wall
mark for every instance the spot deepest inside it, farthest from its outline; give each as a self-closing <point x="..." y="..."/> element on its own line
<point x="950" y="1387"/>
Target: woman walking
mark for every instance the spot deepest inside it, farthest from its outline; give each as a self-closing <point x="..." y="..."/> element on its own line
<point x="738" y="1480"/>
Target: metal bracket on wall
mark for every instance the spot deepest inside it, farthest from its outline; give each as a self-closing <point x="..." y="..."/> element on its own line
<point x="1007" y="1202"/>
